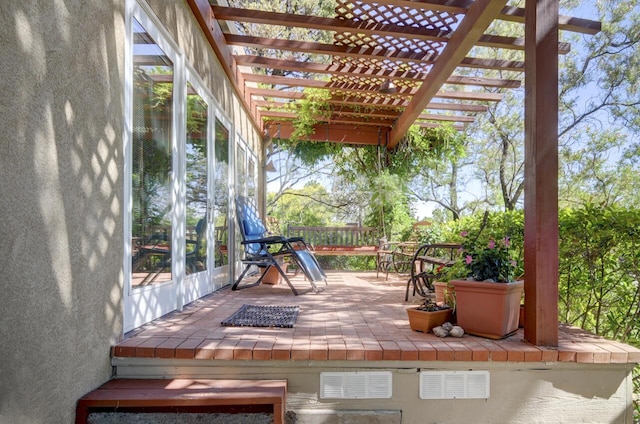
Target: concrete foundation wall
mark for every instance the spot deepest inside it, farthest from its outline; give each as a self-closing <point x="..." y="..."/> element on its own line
<point x="519" y="392"/>
<point x="61" y="194"/>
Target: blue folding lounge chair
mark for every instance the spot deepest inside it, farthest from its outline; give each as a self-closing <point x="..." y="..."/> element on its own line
<point x="264" y="251"/>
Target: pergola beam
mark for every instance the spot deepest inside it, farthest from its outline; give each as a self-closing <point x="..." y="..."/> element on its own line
<point x="478" y="18"/>
<point x="336" y="85"/>
<point x="366" y="52"/>
<point x="376" y="119"/>
<point x="363" y="67"/>
<point x="508" y="13"/>
<point x="565" y="23"/>
<point x="361" y="27"/>
<point x="334" y="133"/>
<point x="328" y="24"/>
<point x="361" y="72"/>
<point x="334" y="118"/>
<point x="459" y="107"/>
<point x="455" y="7"/>
<point x="458" y="95"/>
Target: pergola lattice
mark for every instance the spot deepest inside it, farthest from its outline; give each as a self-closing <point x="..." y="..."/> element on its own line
<point x="421" y="47"/>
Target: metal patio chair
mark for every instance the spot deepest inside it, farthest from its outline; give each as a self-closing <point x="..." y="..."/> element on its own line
<point x="269" y="251"/>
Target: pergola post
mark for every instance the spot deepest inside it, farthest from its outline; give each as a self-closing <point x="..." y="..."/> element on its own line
<point x="541" y="172"/>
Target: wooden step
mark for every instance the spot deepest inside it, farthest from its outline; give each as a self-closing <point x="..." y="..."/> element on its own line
<point x="201" y="395"/>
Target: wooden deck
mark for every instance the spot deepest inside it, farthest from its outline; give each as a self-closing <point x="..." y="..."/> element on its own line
<point x="359" y="317"/>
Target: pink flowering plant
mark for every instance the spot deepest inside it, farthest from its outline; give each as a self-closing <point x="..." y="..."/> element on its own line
<point x="491" y="262"/>
<point x="487" y="260"/>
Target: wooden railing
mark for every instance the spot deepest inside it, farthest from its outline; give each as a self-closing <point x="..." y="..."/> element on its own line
<point x="347" y="240"/>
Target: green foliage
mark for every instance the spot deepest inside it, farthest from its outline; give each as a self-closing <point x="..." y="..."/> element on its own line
<point x="429" y="305"/>
<point x="592" y="174"/>
<point x="491" y="262"/>
<point x="307" y="152"/>
<point x="386" y="173"/>
<point x="427" y="148"/>
<point x="311" y="109"/>
<point x="498" y="225"/>
<point x="347" y="263"/>
<point x="599" y="266"/>
<point x="303" y="207"/>
<point x="600" y="269"/>
<point x="389" y="206"/>
<point x="599" y="273"/>
<point x="599" y="263"/>
<point x="425" y="233"/>
<point x="489" y="251"/>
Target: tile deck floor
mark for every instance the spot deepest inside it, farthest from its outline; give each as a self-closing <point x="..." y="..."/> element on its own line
<point x="358" y="317"/>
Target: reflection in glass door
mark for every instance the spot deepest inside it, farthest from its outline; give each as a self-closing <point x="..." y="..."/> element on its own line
<point x="240" y="178"/>
<point x="151" y="143"/>
<point x="251" y="178"/>
<point x="197" y="176"/>
<point x="221" y="204"/>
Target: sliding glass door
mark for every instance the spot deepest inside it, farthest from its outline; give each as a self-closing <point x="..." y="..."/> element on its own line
<point x="178" y="179"/>
<point x="151" y="163"/>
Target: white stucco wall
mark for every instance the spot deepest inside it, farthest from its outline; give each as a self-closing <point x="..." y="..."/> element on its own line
<point x="60" y="203"/>
<point x="61" y="194"/>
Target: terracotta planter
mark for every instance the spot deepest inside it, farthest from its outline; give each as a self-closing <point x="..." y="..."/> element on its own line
<point x="488" y="310"/>
<point x="443" y="292"/>
<point x="424" y="320"/>
<point x="273" y="276"/>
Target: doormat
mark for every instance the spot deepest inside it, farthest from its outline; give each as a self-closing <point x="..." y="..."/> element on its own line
<point x="263" y="316"/>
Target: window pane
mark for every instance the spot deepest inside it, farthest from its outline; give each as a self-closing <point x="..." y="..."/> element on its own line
<point x="196" y="181"/>
<point x="221" y="193"/>
<point x="151" y="165"/>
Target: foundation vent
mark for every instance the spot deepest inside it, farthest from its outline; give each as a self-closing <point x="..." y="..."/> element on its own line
<point x="355" y="385"/>
<point x="454" y="385"/>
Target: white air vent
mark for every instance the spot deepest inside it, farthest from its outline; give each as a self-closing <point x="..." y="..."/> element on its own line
<point x="355" y="385"/>
<point x="454" y="385"/>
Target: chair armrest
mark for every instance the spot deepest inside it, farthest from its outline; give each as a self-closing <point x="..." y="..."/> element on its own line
<point x="267" y="240"/>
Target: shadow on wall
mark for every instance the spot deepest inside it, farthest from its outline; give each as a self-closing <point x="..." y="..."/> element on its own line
<point x="61" y="167"/>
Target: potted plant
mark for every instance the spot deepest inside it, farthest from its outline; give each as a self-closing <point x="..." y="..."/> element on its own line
<point x="428" y="315"/>
<point x="487" y="295"/>
<point x="444" y="291"/>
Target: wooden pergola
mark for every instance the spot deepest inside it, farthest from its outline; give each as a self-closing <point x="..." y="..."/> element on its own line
<point x="396" y="63"/>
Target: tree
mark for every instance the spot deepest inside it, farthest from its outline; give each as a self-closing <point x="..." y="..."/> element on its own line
<point x="600" y="111"/>
<point x="441" y="181"/>
<point x="499" y="156"/>
<point x="302" y="206"/>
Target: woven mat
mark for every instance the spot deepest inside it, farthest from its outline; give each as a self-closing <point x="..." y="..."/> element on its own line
<point x="263" y="316"/>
